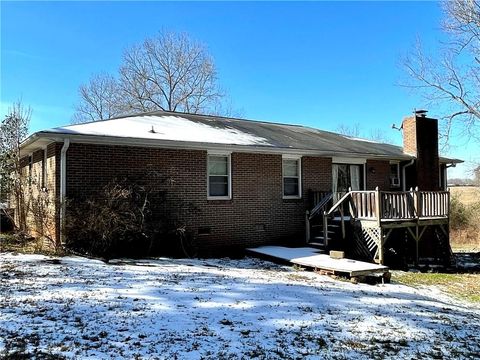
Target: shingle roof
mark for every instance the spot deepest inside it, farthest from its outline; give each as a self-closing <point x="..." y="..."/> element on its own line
<point x="204" y="130"/>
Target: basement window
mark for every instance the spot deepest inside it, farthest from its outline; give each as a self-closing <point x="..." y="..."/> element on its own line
<point x="292" y="182"/>
<point x="219" y="184"/>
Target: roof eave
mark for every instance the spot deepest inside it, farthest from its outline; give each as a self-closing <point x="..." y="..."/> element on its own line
<point x="29" y="146"/>
<point x="445" y="160"/>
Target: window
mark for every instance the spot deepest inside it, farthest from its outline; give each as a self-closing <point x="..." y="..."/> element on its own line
<point x="44" y="169"/>
<point x="30" y="165"/>
<point x="219" y="182"/>
<point x="345" y="177"/>
<point x="394" y="174"/>
<point x="292" y="182"/>
<point x="30" y="169"/>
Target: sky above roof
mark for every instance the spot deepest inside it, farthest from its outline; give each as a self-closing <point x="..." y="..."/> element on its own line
<point x="319" y="64"/>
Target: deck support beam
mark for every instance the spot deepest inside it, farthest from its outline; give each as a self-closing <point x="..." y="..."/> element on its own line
<point x="381" y="243"/>
<point x="307" y="227"/>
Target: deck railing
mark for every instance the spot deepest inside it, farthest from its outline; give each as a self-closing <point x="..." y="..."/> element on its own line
<point x="390" y="205"/>
<point x="433" y="204"/>
<point x="399" y="205"/>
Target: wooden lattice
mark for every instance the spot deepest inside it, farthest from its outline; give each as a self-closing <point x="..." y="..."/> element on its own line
<point x="372" y="235"/>
<point x="367" y="240"/>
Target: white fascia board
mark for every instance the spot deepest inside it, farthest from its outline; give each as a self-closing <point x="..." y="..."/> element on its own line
<point x="219" y="152"/>
<point x="348" y="160"/>
<point x="292" y="156"/>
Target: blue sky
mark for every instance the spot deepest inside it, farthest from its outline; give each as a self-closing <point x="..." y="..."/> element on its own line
<point x="320" y="64"/>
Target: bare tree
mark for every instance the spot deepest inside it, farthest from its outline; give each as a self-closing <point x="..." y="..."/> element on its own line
<point x="13" y="130"/>
<point x="451" y="79"/>
<point x="168" y="72"/>
<point x="352" y="131"/>
<point x="356" y="131"/>
<point x="476" y="175"/>
<point x="100" y="99"/>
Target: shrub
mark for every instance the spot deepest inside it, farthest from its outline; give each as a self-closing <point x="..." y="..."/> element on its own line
<point x="98" y="225"/>
<point x="121" y="221"/>
<point x="465" y="224"/>
<point x="460" y="214"/>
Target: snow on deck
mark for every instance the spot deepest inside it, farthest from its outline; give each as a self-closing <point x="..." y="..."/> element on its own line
<point x="219" y="309"/>
<point x="311" y="257"/>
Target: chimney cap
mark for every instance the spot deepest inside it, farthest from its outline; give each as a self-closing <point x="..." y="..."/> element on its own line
<point x="421" y="113"/>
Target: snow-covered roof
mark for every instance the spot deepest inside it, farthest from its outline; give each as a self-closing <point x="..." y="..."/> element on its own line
<point x="164" y="127"/>
<point x="161" y="128"/>
<point x="181" y="130"/>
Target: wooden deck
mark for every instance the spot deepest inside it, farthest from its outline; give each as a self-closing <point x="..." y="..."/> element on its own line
<point x="379" y="216"/>
<point x="313" y="258"/>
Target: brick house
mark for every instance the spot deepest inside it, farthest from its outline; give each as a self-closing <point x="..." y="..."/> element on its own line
<point x="252" y="182"/>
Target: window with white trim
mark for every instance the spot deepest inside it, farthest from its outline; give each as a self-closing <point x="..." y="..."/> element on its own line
<point x="219" y="176"/>
<point x="292" y="181"/>
<point x="394" y="174"/>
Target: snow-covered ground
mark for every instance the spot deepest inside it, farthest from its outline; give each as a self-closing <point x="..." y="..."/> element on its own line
<point x="220" y="309"/>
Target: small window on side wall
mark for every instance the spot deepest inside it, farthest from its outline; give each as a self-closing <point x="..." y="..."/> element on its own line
<point x="292" y="181"/>
<point x="394" y="174"/>
<point x="219" y="177"/>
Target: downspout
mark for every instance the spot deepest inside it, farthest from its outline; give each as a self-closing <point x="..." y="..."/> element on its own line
<point x="63" y="186"/>
<point x="404" y="187"/>
<point x="445" y="179"/>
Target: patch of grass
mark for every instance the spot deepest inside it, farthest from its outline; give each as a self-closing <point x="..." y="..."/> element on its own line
<point x="20" y="243"/>
<point x="463" y="286"/>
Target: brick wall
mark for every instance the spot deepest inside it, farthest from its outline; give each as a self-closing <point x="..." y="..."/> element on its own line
<point x="256" y="214"/>
<point x="378" y="174"/>
<point x="43" y="222"/>
<point x="420" y="138"/>
<point x="317" y="173"/>
<point x="410" y="135"/>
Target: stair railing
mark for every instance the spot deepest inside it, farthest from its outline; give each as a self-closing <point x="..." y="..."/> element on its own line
<point x="322" y="204"/>
<point x="309" y="215"/>
<point x="326" y="214"/>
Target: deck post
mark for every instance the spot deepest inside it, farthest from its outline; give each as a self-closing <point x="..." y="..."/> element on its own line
<point x="307" y="226"/>
<point x="416" y="202"/>
<point x="381" y="259"/>
<point x="411" y="208"/>
<point x="378" y="206"/>
<point x="417" y="239"/>
<point x="325" y="229"/>
<point x="342" y="217"/>
<point x="448" y="206"/>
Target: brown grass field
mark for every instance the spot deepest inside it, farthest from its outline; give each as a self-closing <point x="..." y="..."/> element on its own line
<point x="468" y="238"/>
<point x="467" y="194"/>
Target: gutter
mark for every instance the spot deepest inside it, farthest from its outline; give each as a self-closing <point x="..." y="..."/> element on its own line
<point x="63" y="186"/>
<point x="403" y="174"/>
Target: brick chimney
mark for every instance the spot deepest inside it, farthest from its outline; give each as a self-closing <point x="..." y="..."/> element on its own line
<point x="420" y="139"/>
